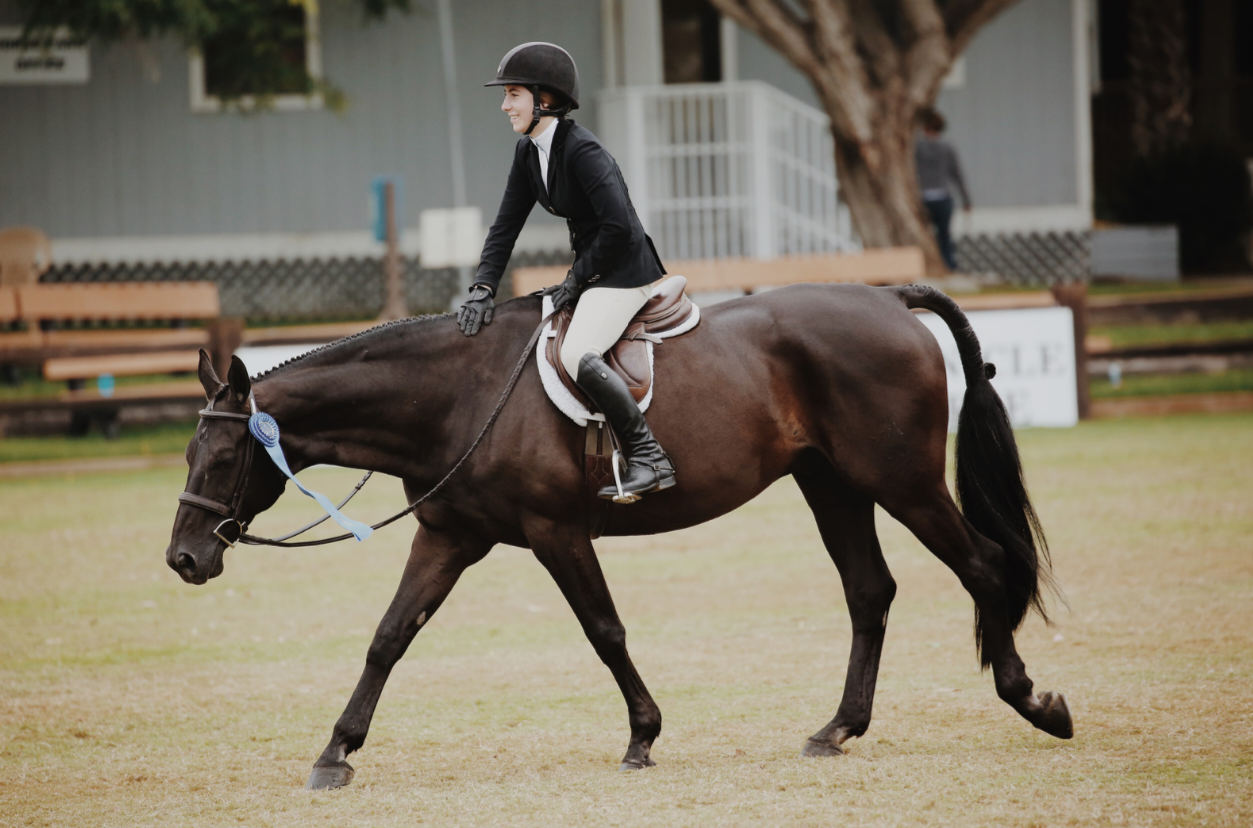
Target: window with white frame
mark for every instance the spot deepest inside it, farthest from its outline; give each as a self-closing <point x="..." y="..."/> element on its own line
<point x="270" y="59"/>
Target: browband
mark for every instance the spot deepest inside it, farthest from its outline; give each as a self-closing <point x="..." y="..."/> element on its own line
<point x="210" y="414"/>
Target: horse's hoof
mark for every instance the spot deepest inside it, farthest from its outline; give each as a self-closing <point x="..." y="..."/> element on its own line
<point x="326" y="777"/>
<point x="813" y="748"/>
<point x="635" y="764"/>
<point x="1055" y="716"/>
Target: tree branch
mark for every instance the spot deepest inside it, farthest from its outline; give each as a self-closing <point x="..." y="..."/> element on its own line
<point x="835" y="44"/>
<point x="964" y="18"/>
<point x="879" y="51"/>
<point x="873" y="63"/>
<point x="928" y="57"/>
<point x="828" y="58"/>
<point x="777" y="25"/>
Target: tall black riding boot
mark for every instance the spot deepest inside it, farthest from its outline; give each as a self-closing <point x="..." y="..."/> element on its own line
<point x="648" y="467"/>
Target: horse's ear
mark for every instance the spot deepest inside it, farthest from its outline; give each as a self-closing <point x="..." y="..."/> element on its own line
<point x="208" y="377"/>
<point x="237" y="378"/>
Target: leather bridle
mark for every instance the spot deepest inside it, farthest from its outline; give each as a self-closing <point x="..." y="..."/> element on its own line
<point x="230" y="511"/>
<point x="235" y="528"/>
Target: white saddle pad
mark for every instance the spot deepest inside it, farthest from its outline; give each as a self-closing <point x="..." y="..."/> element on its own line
<point x="561" y="396"/>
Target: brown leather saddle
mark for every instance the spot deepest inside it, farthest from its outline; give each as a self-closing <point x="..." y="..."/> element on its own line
<point x="666" y="312"/>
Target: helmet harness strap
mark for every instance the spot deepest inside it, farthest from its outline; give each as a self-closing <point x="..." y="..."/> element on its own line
<point x="538" y="111"/>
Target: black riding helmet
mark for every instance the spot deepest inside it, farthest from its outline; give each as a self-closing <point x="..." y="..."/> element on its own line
<point x="541" y="66"/>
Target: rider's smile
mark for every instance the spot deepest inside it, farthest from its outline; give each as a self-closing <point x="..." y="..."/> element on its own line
<point x="519" y="106"/>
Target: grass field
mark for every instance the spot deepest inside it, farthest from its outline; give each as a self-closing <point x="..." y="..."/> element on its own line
<point x="1140" y="385"/>
<point x="130" y="698"/>
<point x="132" y="441"/>
<point x="32" y="386"/>
<point x="1130" y="336"/>
<point x="1184" y="286"/>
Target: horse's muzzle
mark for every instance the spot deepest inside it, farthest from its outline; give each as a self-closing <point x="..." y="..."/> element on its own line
<point x="190" y="569"/>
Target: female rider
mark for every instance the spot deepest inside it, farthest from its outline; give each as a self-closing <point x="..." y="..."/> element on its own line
<point x="564" y="167"/>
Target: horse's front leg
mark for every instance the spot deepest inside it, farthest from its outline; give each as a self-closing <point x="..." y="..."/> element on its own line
<point x="436" y="561"/>
<point x="566" y="552"/>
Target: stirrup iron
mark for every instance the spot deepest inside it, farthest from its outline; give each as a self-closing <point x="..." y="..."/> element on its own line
<point x="621" y="496"/>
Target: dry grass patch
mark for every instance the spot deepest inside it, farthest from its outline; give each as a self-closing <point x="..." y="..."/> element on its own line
<point x="130" y="698"/>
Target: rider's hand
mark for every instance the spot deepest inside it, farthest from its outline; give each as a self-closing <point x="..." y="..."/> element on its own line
<point x="564" y="293"/>
<point x="477" y="310"/>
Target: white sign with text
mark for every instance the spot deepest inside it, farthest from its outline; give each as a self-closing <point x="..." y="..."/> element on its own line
<point x="1034" y="353"/>
<point x="50" y="58"/>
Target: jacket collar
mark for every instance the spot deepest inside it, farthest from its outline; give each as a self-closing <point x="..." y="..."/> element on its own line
<point x="545" y="139"/>
<point x="543" y="194"/>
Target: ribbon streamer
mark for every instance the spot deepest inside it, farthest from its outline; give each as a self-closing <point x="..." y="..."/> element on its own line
<point x="265" y="429"/>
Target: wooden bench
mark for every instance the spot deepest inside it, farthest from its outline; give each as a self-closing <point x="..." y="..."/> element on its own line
<point x="319" y="333"/>
<point x="76" y="411"/>
<point x="120" y="300"/>
<point x="41" y="306"/>
<point x="78" y="355"/>
<point x="889" y="266"/>
<point x="8" y="304"/>
<point x="59" y="369"/>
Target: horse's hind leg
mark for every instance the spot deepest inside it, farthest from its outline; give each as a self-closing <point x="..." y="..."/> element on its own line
<point x="567" y="553"/>
<point x="980" y="566"/>
<point x="846" y="521"/>
<point x="435" y="563"/>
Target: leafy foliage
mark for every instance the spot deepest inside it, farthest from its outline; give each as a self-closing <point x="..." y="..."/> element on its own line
<point x="251" y="47"/>
<point x="272" y="44"/>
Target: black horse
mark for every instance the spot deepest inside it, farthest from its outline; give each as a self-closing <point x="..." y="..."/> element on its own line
<point x="838" y="386"/>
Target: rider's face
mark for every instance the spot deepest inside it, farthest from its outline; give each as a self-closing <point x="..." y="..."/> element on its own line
<point x="518" y="106"/>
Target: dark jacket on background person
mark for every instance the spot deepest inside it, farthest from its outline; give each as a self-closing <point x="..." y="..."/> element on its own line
<point x="938" y="170"/>
<point x="585" y="187"/>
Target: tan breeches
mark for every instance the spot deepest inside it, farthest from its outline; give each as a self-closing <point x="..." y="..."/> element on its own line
<point x="600" y="317"/>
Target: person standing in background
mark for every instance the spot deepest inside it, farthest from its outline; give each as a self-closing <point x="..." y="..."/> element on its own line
<point x="938" y="169"/>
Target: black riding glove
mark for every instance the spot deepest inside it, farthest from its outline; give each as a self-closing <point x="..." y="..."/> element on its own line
<point x="477" y="310"/>
<point x="564" y="293"/>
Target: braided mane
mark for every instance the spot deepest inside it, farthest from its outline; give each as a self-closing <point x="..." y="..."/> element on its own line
<point x="412" y="320"/>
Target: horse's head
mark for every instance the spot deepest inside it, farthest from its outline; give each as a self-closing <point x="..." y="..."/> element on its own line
<point x="228" y="482"/>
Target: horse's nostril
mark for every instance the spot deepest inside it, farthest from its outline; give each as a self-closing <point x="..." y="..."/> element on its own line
<point x="186" y="564"/>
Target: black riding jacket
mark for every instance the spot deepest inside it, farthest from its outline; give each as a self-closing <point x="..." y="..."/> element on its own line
<point x="585" y="187"/>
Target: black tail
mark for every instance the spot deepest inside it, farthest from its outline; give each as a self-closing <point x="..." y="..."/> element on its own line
<point x="990" y="487"/>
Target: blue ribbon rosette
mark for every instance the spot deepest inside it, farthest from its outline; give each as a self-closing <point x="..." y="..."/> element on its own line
<point x="265" y="429"/>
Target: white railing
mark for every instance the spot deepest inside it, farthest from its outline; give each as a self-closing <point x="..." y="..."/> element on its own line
<point x="727" y="169"/>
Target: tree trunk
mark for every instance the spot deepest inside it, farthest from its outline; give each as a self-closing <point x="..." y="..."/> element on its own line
<point x="1216" y="100"/>
<point x="1161" y="80"/>
<point x="885" y="204"/>
<point x="878" y="178"/>
<point x="874" y="65"/>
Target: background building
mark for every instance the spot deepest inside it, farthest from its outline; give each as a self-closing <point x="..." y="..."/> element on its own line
<point x="136" y="172"/>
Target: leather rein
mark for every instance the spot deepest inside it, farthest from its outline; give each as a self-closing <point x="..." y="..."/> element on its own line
<point x="237" y="530"/>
